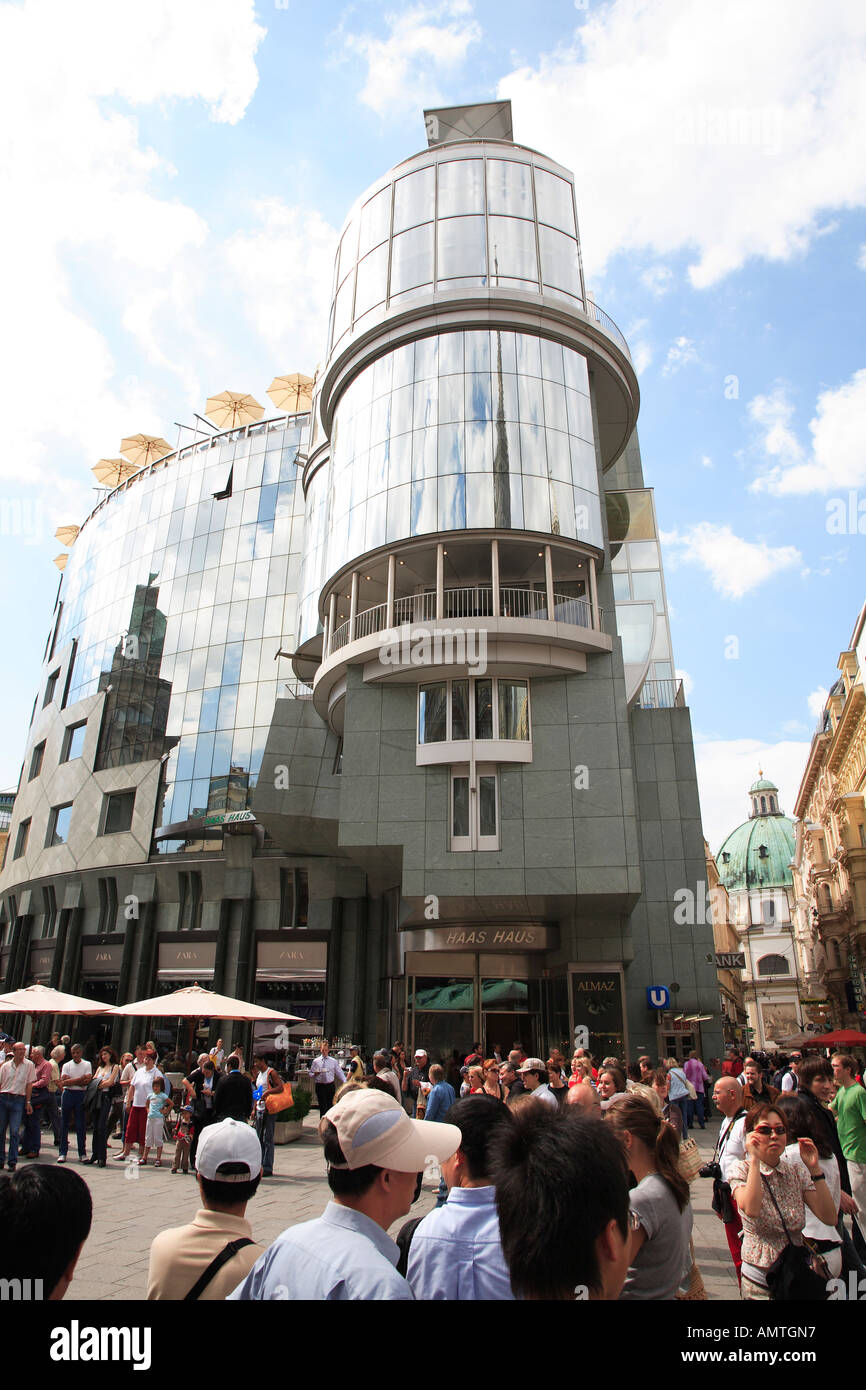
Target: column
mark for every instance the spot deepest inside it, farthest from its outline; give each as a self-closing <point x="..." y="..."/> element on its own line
<point x="440" y="581"/>
<point x="332" y="614"/>
<point x="593" y="595"/>
<point x="548" y="581"/>
<point x="353" y="606"/>
<point x="494" y="575"/>
<point x="389" y="601"/>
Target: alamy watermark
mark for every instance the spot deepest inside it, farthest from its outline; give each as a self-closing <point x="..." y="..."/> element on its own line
<point x="437" y="646"/>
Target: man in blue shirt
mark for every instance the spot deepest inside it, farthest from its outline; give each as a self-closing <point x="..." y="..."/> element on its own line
<point x="456" y="1252"/>
<point x="441" y="1097"/>
<point x="375" y="1155"/>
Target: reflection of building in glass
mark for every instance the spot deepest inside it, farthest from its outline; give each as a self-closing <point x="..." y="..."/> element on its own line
<point x="467" y="796"/>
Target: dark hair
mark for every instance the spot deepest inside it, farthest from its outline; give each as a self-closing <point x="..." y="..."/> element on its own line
<point x="480" y="1119"/>
<point x="845" y="1060"/>
<point x="634" y="1071"/>
<point x="112" y="1055"/>
<point x="230" y="1194"/>
<point x="811" y="1069"/>
<point x="758" y="1113"/>
<point x="660" y="1077"/>
<point x="560" y="1179"/>
<point x="802" y="1122"/>
<point x="345" y="1182"/>
<point x="45" y="1216"/>
<point x="158" y="1081"/>
<point x="233" y="1064"/>
<point x="640" y="1119"/>
<point x="617" y="1074"/>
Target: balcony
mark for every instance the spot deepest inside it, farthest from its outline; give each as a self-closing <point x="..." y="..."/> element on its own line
<point x="468" y="603"/>
<point x="661" y="695"/>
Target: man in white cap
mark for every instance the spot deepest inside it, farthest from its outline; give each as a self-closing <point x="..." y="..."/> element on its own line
<point x="534" y="1075"/>
<point x="206" y="1259"/>
<point x="376" y="1155"/>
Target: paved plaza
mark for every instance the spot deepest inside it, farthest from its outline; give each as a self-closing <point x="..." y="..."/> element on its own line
<point x="132" y="1204"/>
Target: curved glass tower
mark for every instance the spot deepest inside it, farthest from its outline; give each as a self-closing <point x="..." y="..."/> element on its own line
<point x="468" y="814"/>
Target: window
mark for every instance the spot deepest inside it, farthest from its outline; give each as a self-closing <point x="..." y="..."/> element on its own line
<point x="107" y="904"/>
<point x="763" y="852"/>
<point x="117" y="812"/>
<point x="726" y="858"/>
<point x="189" y="907"/>
<point x="73" y="742"/>
<point x="338" y="759"/>
<point x="50" y="687"/>
<point x="449" y="711"/>
<point x="58" y="825"/>
<point x="768" y="910"/>
<point x="474" y="810"/>
<point x="773" y="965"/>
<point x="861" y="830"/>
<point x="763" y="808"/>
<point x="36" y="760"/>
<point x="21" y="839"/>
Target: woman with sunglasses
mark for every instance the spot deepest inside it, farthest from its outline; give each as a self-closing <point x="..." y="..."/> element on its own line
<point x="772" y="1194"/>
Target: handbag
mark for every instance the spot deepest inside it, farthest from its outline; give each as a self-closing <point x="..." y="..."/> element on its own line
<point x="277" y="1101"/>
<point x="690" y="1161"/>
<point x="799" y="1274"/>
<point x="695" y="1291"/>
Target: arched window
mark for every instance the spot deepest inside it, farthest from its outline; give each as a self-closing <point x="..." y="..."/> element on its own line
<point x="773" y="965"/>
<point x="772" y="803"/>
<point x="763" y="805"/>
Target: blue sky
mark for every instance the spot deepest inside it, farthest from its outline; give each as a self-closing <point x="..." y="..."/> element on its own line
<point x="180" y="169"/>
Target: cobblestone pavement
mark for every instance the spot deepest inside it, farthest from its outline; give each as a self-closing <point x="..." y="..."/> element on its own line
<point x="132" y="1204"/>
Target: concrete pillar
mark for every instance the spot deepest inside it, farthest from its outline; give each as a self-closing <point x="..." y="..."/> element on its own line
<point x="494" y="575"/>
<point x="389" y="601"/>
<point x="353" y="606"/>
<point x="440" y="581"/>
<point x="593" y="595"/>
<point x="548" y="581"/>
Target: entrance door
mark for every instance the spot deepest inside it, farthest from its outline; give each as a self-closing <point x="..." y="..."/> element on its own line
<point x="510" y="1016"/>
<point x="441" y="1016"/>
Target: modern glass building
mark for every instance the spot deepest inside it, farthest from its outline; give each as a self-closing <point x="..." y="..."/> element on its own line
<point x="373" y="712"/>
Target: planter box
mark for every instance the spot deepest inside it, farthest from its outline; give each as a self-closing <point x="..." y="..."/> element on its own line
<point x="288" y="1132"/>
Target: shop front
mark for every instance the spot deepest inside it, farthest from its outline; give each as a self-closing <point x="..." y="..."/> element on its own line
<point x="291" y="969"/>
<point x="181" y="963"/>
<point x="99" y="979"/>
<point x="482" y="984"/>
<point x="597" y="1010"/>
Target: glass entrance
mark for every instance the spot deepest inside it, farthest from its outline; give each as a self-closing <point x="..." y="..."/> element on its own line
<point x="442" y="1016"/>
<point x="472" y="998"/>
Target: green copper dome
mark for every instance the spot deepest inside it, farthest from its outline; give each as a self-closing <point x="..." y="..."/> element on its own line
<point x="758" y="852"/>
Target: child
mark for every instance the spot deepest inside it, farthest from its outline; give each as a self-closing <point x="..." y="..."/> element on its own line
<point x="157" y="1108"/>
<point x="182" y="1139"/>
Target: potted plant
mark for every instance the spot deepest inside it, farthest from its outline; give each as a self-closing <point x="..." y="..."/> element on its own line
<point x="290" y="1122"/>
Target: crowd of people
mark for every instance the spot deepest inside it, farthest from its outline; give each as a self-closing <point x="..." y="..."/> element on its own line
<point x="556" y="1179"/>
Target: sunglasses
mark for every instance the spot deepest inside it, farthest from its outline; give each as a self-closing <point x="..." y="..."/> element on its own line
<point x="767" y="1130"/>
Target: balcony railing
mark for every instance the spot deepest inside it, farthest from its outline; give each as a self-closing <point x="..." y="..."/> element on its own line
<point x="607" y="323"/>
<point x="475" y="601"/>
<point x="661" y="695"/>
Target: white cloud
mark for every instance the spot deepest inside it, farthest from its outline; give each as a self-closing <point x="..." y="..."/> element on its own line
<point x="404" y="69"/>
<point x="642" y="350"/>
<point x="706" y="461"/>
<point x="284" y="269"/>
<point x="835" y="459"/>
<point x="861" y="259"/>
<point x="80" y="188"/>
<point x="729" y="131"/>
<point x="658" y="279"/>
<point x="735" y="566"/>
<point x="688" y="683"/>
<point x="817" y="700"/>
<point x="728" y="767"/>
<point x="681" y="353"/>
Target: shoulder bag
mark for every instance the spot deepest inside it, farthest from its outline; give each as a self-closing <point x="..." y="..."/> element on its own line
<point x="799" y="1273"/>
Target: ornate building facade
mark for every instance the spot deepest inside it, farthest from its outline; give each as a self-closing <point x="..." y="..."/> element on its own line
<point x="829" y="862"/>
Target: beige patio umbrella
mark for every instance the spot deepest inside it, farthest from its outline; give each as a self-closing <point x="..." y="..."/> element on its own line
<point x="193" y="1003"/>
<point x="60" y="560"/>
<point x="232" y="408"/>
<point x="113" y="472"/>
<point x="142" y="449"/>
<point x="66" y="534"/>
<point x="292" y="393"/>
<point x="40" y="999"/>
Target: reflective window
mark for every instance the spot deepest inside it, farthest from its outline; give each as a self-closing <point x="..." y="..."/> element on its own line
<point x="459" y="710"/>
<point x="460" y="808"/>
<point x="555" y="204"/>
<point x="21" y="839"/>
<point x="486" y="806"/>
<point x="461" y="249"/>
<point x="513" y="709"/>
<point x="414" y="198"/>
<point x="58" y="825"/>
<point x="371" y="286"/>
<point x="461" y="187"/>
<point x="73" y="743"/>
<point x="484" y="709"/>
<point x="512" y="250"/>
<point x="559" y="265"/>
<point x="375" y="221"/>
<point x="412" y="258"/>
<point x="119" y="807"/>
<point x="509" y="187"/>
<point x="433" y="713"/>
<point x="36" y="760"/>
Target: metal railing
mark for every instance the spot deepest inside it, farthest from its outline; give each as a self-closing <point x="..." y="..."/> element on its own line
<point x="661" y="695"/>
<point x="594" y="312"/>
<point x="294" y="690"/>
<point x="475" y="601"/>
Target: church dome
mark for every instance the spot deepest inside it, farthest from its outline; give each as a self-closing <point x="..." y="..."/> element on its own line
<point x="758" y="853"/>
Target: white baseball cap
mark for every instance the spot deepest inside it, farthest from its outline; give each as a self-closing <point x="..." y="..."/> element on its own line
<point x="374" y="1128"/>
<point x="229" y="1141"/>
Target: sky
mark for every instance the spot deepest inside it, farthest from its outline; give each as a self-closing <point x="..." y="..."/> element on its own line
<point x="175" y="173"/>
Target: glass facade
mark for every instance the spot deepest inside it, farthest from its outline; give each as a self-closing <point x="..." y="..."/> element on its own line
<point x="638" y="585"/>
<point x="468" y="429"/>
<point x="457" y="220"/>
<point x="178" y="601"/>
